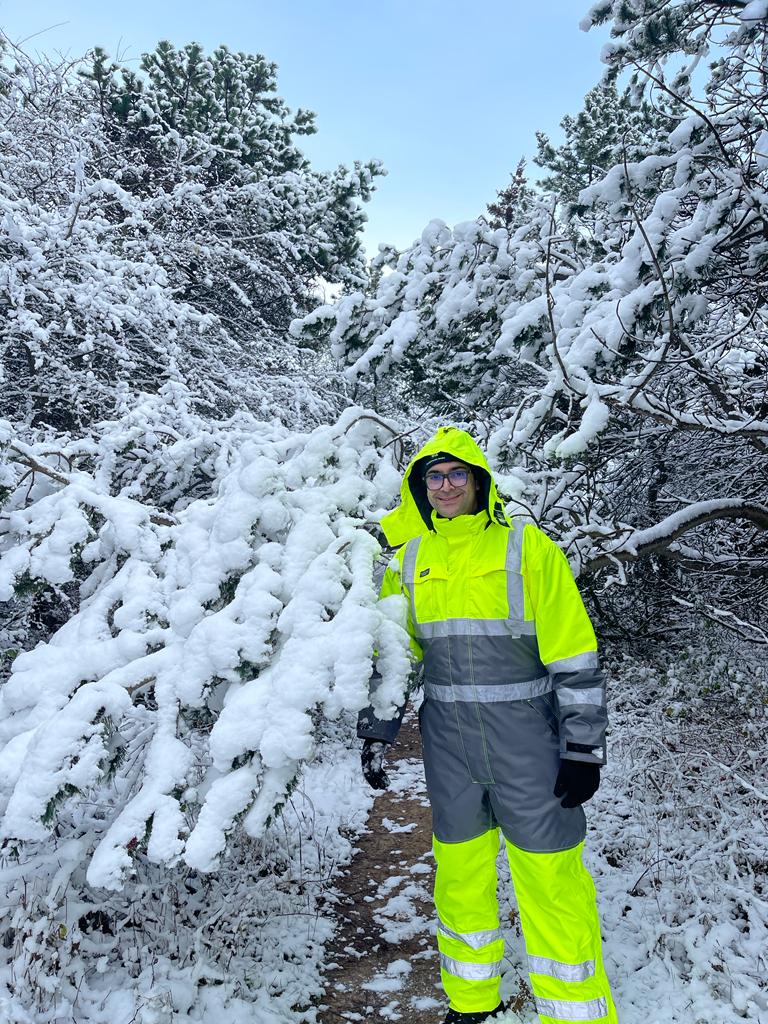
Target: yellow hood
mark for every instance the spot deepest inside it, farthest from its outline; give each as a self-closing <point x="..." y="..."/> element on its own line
<point x="413" y="516"/>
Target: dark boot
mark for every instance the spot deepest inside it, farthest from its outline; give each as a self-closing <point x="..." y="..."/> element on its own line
<point x="454" y="1017"/>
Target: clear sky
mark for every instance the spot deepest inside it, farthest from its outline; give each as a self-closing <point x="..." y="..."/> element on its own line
<point x="447" y="93"/>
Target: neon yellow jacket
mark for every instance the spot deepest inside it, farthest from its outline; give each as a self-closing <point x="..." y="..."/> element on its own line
<point x="494" y="612"/>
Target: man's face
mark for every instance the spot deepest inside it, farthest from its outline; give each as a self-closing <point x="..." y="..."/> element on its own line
<point x="451" y="501"/>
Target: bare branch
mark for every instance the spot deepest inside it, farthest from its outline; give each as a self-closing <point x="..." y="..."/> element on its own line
<point x="34" y="466"/>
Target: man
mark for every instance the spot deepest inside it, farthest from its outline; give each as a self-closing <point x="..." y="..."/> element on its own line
<point x="513" y="730"/>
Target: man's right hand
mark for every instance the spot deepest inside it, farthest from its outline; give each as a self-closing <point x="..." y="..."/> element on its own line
<point x="371" y="758"/>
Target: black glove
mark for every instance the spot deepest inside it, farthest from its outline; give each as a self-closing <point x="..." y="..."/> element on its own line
<point x="578" y="780"/>
<point x="371" y="758"/>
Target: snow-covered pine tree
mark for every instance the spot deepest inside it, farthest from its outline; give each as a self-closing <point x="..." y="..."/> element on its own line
<point x="624" y="390"/>
<point x="139" y="241"/>
<point x="219" y="115"/>
<point x="223" y="108"/>
<point x="608" y="126"/>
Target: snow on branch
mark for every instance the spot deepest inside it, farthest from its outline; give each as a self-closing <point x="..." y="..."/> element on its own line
<point x="221" y="637"/>
<point x="745" y="630"/>
<point x="633" y="544"/>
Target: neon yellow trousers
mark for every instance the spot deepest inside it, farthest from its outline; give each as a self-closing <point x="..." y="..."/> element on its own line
<point x="558" y="914"/>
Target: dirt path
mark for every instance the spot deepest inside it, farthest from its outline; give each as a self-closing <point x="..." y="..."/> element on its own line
<point x="383" y="963"/>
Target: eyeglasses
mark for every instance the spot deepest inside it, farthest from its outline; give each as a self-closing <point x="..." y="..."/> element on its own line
<point x="455" y="477"/>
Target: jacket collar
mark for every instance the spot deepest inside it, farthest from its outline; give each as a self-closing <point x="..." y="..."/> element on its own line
<point x="461" y="526"/>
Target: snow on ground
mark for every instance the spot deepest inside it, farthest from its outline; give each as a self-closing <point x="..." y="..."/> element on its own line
<point x="676" y="848"/>
<point x="245" y="945"/>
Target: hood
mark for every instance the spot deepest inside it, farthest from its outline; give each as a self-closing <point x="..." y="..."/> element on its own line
<point x="413" y="516"/>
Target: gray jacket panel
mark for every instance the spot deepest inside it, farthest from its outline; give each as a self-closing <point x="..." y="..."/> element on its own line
<point x="482" y="659"/>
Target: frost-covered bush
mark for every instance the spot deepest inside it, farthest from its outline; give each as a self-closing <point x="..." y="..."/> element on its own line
<point x="247" y="939"/>
<point x="680" y="830"/>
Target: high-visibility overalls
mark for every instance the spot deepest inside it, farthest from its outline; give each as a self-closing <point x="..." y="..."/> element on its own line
<point x="511" y="686"/>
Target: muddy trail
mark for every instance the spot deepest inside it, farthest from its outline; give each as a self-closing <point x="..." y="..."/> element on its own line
<point x="383" y="963"/>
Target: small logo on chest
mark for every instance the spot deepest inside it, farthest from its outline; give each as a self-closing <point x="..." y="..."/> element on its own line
<point x="424" y="572"/>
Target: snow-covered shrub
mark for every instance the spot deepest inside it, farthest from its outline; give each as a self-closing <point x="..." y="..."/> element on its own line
<point x="220" y="615"/>
<point x="186" y="551"/>
<point x="206" y="644"/>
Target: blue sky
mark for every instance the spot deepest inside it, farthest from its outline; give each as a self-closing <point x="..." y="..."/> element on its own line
<point x="447" y="94"/>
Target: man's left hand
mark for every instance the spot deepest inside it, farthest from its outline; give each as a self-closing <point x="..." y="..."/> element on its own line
<point x="577" y="781"/>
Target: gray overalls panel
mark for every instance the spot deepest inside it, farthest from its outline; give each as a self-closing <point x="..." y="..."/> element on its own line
<point x="520" y="757"/>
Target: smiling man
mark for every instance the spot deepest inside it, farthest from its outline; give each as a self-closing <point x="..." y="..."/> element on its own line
<point x="513" y="730"/>
<point x="451" y="488"/>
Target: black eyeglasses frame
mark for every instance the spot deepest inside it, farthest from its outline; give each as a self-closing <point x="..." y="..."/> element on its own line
<point x="434" y="474"/>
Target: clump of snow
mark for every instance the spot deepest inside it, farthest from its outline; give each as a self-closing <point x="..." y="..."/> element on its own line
<point x="755" y="10"/>
<point x="593" y="420"/>
<point x="761" y="149"/>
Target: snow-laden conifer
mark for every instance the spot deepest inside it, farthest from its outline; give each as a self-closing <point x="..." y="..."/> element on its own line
<point x="611" y="349"/>
<point x="137" y="242"/>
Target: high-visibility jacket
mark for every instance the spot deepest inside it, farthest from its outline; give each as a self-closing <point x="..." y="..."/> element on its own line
<point x="511" y="674"/>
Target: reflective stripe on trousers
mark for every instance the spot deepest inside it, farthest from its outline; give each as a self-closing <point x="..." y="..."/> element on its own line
<point x="558" y="914"/>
